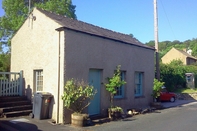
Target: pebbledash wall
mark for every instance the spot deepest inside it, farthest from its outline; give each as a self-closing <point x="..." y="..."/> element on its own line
<point x="36" y="46"/>
<point x="92" y="52"/>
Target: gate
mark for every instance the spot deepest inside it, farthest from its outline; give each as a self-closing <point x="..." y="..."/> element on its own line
<point x="11" y="83"/>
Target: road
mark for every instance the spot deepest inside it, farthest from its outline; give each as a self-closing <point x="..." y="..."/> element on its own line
<point x="182" y="118"/>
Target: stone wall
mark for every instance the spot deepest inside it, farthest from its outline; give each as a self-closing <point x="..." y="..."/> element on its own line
<point x="187" y="96"/>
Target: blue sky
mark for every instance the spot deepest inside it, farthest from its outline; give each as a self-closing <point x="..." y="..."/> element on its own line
<point x="177" y="19"/>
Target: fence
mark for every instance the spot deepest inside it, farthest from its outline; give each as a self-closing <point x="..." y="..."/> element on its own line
<point x="11" y="83"/>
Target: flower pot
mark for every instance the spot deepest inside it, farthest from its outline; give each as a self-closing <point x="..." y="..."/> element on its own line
<point x="79" y="120"/>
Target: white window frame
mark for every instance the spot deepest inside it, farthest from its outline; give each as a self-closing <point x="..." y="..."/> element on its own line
<point x="139" y="78"/>
<point x="38" y="80"/>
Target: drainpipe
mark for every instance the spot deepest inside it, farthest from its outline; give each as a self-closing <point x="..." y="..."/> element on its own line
<point x="58" y="89"/>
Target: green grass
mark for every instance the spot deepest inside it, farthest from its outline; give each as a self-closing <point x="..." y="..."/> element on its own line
<point x="186" y="90"/>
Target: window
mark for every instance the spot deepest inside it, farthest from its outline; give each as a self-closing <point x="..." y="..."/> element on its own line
<point x="138" y="83"/>
<point x="38" y="80"/>
<point x="120" y="90"/>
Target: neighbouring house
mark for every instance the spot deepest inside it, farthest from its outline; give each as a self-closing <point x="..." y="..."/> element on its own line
<point x="175" y="54"/>
<point x="50" y="49"/>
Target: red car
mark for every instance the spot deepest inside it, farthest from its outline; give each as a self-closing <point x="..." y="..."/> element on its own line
<point x="167" y="96"/>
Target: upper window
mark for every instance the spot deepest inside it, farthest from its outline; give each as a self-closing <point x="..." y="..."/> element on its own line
<point x="120" y="90"/>
<point x="138" y="83"/>
<point x="38" y="80"/>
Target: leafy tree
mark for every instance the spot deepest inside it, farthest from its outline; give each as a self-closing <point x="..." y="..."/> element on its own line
<point x="176" y="63"/>
<point x="151" y="43"/>
<point x="113" y="83"/>
<point x="62" y="7"/>
<point x="16" y="11"/>
<point x="4" y="62"/>
<point x="194" y="50"/>
<point x="165" y="46"/>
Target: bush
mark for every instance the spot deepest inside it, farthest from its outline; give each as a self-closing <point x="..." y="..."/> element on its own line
<point x="174" y="75"/>
<point x="77" y="95"/>
<point x="157" y="86"/>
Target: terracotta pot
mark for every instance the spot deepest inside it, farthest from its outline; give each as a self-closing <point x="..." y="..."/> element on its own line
<point x="79" y="120"/>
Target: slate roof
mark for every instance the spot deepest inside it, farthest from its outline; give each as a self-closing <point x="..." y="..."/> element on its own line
<point x="186" y="54"/>
<point x="92" y="29"/>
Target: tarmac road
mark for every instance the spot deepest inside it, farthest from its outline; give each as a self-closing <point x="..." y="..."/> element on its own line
<point x="179" y="116"/>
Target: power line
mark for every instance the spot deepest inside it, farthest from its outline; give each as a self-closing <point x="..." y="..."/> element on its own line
<point x="168" y="20"/>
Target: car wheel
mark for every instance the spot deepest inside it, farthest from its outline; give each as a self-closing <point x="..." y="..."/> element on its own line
<point x="172" y="99"/>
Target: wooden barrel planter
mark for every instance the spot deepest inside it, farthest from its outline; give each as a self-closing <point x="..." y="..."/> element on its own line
<point x="79" y="120"/>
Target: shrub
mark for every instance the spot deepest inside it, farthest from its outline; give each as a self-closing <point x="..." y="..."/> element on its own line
<point x="113" y="83"/>
<point x="157" y="86"/>
<point x="77" y="95"/>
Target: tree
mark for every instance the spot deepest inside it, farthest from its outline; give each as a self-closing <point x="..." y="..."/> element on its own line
<point x="176" y="63"/>
<point x="16" y="11"/>
<point x="194" y="50"/>
<point x="151" y="43"/>
<point x="4" y="62"/>
<point x="114" y="83"/>
<point x="62" y="7"/>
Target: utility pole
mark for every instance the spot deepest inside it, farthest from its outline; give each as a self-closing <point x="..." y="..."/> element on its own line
<point x="156" y="40"/>
<point x="29" y="12"/>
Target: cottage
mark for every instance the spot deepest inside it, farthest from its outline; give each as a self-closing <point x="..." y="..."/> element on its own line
<point x="175" y="54"/>
<point x="51" y="49"/>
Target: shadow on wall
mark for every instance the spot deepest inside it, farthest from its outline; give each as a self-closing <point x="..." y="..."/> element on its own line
<point x="28" y="91"/>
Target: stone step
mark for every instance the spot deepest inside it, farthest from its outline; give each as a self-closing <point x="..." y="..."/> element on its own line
<point x="14" y="103"/>
<point x="17" y="113"/>
<point x="12" y="98"/>
<point x="187" y="96"/>
<point x="15" y="108"/>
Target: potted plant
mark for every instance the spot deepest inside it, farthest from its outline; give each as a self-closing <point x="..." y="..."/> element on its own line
<point x="77" y="96"/>
<point x="112" y="85"/>
<point x="157" y="87"/>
